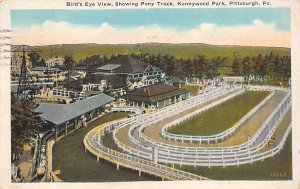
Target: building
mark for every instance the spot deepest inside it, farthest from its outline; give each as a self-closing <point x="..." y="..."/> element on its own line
<point x="136" y="73"/>
<point x="233" y="79"/>
<point x="89" y="64"/>
<point x="53" y="62"/>
<point x="66" y="117"/>
<point x="42" y="71"/>
<point x="156" y="96"/>
<point x="176" y="81"/>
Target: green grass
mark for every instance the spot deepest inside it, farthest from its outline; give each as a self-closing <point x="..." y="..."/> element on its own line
<point x="225" y="71"/>
<point x="77" y="166"/>
<point x="185" y="51"/>
<point x="278" y="167"/>
<point x="222" y="117"/>
<point x="194" y="89"/>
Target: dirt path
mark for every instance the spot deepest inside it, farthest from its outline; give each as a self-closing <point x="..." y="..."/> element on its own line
<point x="280" y="131"/>
<point x="25" y="161"/>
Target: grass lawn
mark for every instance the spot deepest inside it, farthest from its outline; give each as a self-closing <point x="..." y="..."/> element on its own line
<point x="225" y="71"/>
<point x="222" y="117"/>
<point x="194" y="89"/>
<point x="77" y="166"/>
<point x="278" y="167"/>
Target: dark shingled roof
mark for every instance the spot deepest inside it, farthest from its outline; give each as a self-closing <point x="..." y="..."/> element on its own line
<point x="93" y="63"/>
<point x="60" y="113"/>
<point x="92" y="60"/>
<point x="154" y="93"/>
<point x="130" y="65"/>
<point x="116" y="81"/>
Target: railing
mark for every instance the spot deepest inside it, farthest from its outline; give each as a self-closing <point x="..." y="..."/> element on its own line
<point x="92" y="143"/>
<point x="137" y="111"/>
<point x="281" y="108"/>
<point x="212" y="138"/>
<point x="238" y="150"/>
<point x="266" y="88"/>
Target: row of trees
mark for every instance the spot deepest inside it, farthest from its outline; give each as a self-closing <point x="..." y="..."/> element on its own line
<point x="268" y="67"/>
<point x="199" y="66"/>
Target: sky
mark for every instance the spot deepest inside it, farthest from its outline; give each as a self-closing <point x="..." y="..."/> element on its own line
<point x="231" y="26"/>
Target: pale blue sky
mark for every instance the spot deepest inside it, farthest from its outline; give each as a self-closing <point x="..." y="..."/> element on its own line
<point x="183" y="19"/>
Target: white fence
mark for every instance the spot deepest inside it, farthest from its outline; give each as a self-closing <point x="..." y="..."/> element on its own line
<point x="136" y="111"/>
<point x="216" y="156"/>
<point x="274" y="116"/>
<point x="93" y="143"/>
<point x="212" y="138"/>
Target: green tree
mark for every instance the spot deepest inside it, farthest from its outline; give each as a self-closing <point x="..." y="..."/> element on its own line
<point x="201" y="66"/>
<point x="22" y="124"/>
<point x="236" y="66"/>
<point x="69" y="63"/>
<point x="245" y="68"/>
<point x="35" y="59"/>
<point x="258" y="65"/>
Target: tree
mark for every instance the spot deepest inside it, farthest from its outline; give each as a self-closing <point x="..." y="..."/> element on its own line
<point x="69" y="63"/>
<point x="35" y="59"/>
<point x="22" y="124"/>
<point x="201" y="66"/>
<point x="258" y="65"/>
<point x="245" y="68"/>
<point x="236" y="66"/>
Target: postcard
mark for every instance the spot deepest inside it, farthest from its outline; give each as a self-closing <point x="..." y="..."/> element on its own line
<point x="149" y="94"/>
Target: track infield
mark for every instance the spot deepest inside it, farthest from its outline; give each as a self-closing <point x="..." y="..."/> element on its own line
<point x="222" y="117"/>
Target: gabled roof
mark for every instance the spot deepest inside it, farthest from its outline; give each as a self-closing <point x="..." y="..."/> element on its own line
<point x="130" y="65"/>
<point x="109" y="67"/>
<point x="154" y="93"/>
<point x="116" y="81"/>
<point x="92" y="60"/>
<point x="60" y="113"/>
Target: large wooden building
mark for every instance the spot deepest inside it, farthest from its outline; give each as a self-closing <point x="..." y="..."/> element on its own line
<point x="156" y="96"/>
<point x="135" y="72"/>
<point x="66" y="117"/>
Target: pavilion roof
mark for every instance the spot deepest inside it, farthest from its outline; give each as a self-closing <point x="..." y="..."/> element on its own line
<point x="60" y="113"/>
<point x="154" y="93"/>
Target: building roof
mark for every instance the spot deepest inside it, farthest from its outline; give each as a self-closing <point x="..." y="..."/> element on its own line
<point x="109" y="67"/>
<point x="130" y="65"/>
<point x="116" y="81"/>
<point x="60" y="113"/>
<point x="93" y="62"/>
<point x="55" y="60"/>
<point x="154" y="93"/>
<point x="44" y="69"/>
<point x="175" y="79"/>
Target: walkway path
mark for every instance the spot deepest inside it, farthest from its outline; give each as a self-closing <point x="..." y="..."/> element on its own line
<point x="279" y="132"/>
<point x="25" y="162"/>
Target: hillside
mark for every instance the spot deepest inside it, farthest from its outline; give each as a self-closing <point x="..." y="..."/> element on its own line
<point x="185" y="51"/>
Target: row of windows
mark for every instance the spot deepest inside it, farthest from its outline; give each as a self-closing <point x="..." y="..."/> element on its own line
<point x="147" y="74"/>
<point x="61" y="93"/>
